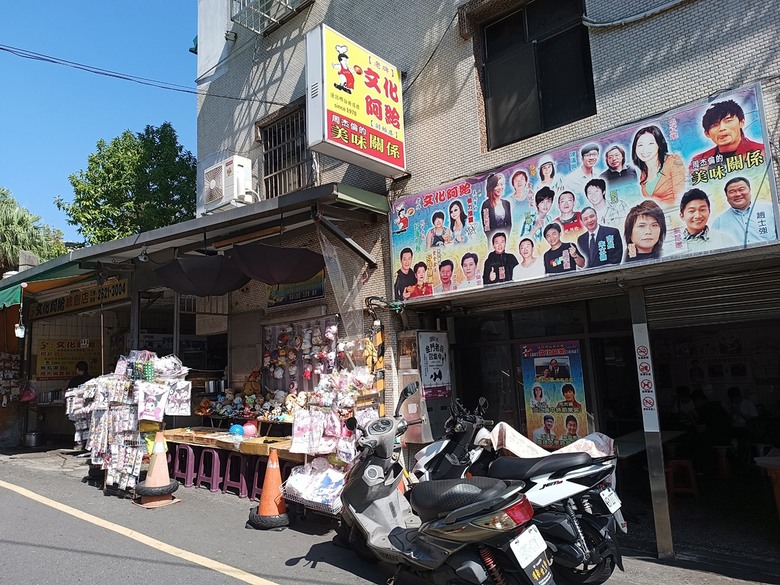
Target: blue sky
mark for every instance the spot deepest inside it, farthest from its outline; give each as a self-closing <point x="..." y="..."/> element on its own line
<point x="52" y="116"/>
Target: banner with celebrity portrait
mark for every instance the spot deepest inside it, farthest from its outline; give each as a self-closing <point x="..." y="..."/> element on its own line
<point x="695" y="180"/>
<point x="555" y="411"/>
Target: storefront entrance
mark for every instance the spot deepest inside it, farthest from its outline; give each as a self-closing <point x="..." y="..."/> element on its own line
<point x="718" y="496"/>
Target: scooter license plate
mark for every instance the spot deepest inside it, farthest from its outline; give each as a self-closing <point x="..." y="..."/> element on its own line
<point x="611" y="500"/>
<point x="528" y="546"/>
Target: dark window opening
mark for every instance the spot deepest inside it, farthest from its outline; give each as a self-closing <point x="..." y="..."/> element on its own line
<point x="537" y="71"/>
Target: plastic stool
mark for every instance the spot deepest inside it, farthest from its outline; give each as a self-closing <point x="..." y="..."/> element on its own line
<point x="210" y="474"/>
<point x="682" y="477"/>
<point x="184" y="464"/>
<point x="235" y="460"/>
<point x="257" y="478"/>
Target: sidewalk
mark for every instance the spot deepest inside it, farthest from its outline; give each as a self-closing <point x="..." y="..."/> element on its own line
<point x="56" y="465"/>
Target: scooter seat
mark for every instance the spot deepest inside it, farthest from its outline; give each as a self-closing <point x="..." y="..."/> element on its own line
<point x="524" y="468"/>
<point x="430" y="499"/>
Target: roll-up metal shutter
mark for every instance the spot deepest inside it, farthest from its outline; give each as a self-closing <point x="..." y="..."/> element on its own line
<point x="745" y="296"/>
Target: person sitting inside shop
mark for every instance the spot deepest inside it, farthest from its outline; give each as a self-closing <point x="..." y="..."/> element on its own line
<point x="82" y="375"/>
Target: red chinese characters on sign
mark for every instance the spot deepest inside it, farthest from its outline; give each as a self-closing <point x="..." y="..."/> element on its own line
<point x="389" y="90"/>
<point x="360" y="137"/>
<point x="437" y="197"/>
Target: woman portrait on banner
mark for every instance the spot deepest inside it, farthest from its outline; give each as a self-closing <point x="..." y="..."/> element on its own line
<point x="439" y="234"/>
<point x="547" y="176"/>
<point x="521" y="188"/>
<point x="530" y="265"/>
<point x="458" y="223"/>
<point x="422" y="287"/>
<point x="538" y="400"/>
<point x="496" y="212"/>
<point x="644" y="232"/>
<point x="662" y="174"/>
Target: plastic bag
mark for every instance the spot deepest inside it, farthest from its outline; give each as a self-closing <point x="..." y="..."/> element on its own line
<point x="28" y="393"/>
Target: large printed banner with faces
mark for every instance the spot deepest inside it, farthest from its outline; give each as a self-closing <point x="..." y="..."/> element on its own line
<point x="695" y="180"/>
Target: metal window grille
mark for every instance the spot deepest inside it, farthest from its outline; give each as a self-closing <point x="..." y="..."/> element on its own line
<point x="261" y="15"/>
<point x="286" y="160"/>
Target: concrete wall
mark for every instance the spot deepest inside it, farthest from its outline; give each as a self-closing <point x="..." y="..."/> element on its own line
<point x="659" y="62"/>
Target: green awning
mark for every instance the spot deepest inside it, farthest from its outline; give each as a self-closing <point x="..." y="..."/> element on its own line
<point x="10" y="296"/>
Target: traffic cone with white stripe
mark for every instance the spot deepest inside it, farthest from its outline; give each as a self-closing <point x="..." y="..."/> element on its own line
<point x="157" y="490"/>
<point x="272" y="511"/>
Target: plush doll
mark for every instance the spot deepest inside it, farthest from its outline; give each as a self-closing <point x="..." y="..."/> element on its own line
<point x="331" y="332"/>
<point x="282" y="359"/>
<point x="316" y="338"/>
<point x="298" y="341"/>
<point x="306" y="343"/>
<point x="203" y="408"/>
<point x="307" y="370"/>
<point x="252" y="383"/>
<point x="266" y="359"/>
<point x="279" y="372"/>
<point x="293" y="369"/>
<point x="293" y="387"/>
<point x="290" y="403"/>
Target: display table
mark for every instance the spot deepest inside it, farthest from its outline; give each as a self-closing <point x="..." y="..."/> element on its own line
<point x="209" y="437"/>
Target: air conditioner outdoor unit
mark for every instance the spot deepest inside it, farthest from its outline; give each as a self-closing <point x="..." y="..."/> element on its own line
<point x="228" y="184"/>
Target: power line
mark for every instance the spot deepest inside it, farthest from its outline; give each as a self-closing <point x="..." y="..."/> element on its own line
<point x="25" y="54"/>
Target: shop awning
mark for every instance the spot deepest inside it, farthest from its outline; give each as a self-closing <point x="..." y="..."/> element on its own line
<point x="332" y="205"/>
<point x="10" y="296"/>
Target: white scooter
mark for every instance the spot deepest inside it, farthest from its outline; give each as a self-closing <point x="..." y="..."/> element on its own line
<point x="460" y="531"/>
<point x="575" y="509"/>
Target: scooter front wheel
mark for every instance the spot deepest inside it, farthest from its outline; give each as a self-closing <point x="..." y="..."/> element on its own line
<point x="592" y="574"/>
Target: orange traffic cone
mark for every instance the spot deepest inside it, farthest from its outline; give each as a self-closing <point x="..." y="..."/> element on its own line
<point x="271" y="512"/>
<point x="156" y="491"/>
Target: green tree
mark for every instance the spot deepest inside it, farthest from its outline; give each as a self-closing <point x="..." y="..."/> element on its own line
<point x="136" y="183"/>
<point x="20" y="230"/>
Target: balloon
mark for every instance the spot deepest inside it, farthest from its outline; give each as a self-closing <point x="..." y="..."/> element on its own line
<point x="250" y="429"/>
<point x="236" y="430"/>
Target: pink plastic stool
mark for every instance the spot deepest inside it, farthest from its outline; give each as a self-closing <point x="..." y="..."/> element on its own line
<point x="184" y="464"/>
<point x="235" y="467"/>
<point x="209" y="473"/>
<point x="258" y="477"/>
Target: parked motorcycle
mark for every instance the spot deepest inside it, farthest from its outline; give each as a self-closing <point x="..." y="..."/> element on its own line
<point x="575" y="509"/>
<point x="458" y="531"/>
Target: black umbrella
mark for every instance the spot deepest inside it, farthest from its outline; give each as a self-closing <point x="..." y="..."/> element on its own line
<point x="273" y="265"/>
<point x="202" y="277"/>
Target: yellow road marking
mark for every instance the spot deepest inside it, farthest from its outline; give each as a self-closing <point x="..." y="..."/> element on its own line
<point x="142" y="538"/>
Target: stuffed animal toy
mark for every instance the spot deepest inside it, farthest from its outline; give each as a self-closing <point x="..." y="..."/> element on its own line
<point x="282" y="360"/>
<point x="279" y="372"/>
<point x="298" y="341"/>
<point x="203" y="408"/>
<point x="293" y="369"/>
<point x="306" y="343"/>
<point x="316" y="337"/>
<point x="307" y="370"/>
<point x="252" y="383"/>
<point x="331" y="332"/>
<point x="302" y="399"/>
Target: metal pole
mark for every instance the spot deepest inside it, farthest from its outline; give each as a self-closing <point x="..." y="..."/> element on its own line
<point x="653" y="439"/>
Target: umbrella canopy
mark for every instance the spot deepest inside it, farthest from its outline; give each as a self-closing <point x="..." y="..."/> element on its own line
<point x="273" y="265"/>
<point x="202" y="277"/>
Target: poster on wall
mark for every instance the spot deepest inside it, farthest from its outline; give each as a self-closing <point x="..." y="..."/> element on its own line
<point x="556" y="413"/>
<point x="695" y="180"/>
<point x="57" y="358"/>
<point x="434" y="351"/>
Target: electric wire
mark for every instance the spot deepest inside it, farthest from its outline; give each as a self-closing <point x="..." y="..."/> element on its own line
<point x="26" y="54"/>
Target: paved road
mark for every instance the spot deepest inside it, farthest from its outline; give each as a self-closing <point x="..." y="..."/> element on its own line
<point x="55" y="529"/>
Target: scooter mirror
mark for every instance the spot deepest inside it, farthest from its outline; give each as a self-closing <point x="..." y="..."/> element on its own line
<point x="351" y="423"/>
<point x="483" y="404"/>
<point x="411" y="389"/>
